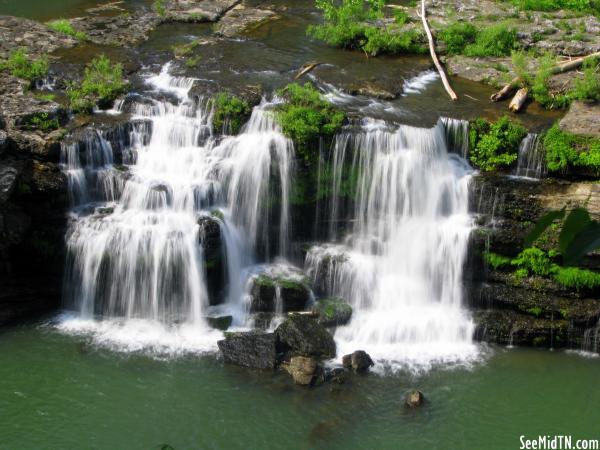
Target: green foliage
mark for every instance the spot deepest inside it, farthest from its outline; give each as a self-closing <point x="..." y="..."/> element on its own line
<point x="102" y="83"/>
<point x="535" y="311"/>
<point x="305" y="117"/>
<point x="457" y="36"/>
<point x="495" y="40"/>
<point x="582" y="6"/>
<point x="540" y="90"/>
<point x="575" y="278"/>
<point x="564" y="150"/>
<point x="43" y="122"/>
<point x="65" y="27"/>
<point x="347" y="25"/>
<point x="45" y="96"/>
<point x="534" y="261"/>
<point x="159" y="8"/>
<point x="192" y="61"/>
<point x="496" y="261"/>
<point x="494" y="146"/>
<point x="587" y="89"/>
<point x="401" y="17"/>
<point x="519" y="61"/>
<point x="181" y="50"/>
<point x="230" y="110"/>
<point x="21" y="66"/>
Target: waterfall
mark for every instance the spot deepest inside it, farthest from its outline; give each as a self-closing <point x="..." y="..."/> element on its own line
<point x="457" y="135"/>
<point x="135" y="267"/>
<point x="401" y="265"/>
<point x="531" y="162"/>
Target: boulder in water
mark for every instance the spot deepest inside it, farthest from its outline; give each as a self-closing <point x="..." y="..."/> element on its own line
<point x="333" y="311"/>
<point x="302" y="334"/>
<point x="359" y="361"/>
<point x="253" y="349"/>
<point x="304" y="370"/>
<point x="220" y="322"/>
<point x="285" y="285"/>
<point x="414" y="399"/>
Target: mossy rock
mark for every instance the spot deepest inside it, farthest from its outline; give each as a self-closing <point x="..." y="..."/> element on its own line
<point x="293" y="290"/>
<point x="302" y="334"/>
<point x="333" y="311"/>
<point x="220" y="323"/>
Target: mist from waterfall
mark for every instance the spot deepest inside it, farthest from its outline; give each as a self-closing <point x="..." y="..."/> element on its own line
<point x="401" y="264"/>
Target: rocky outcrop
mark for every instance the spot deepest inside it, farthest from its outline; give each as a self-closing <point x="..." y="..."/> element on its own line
<point x="243" y="18"/>
<point x="279" y="289"/>
<point x="123" y="30"/>
<point x="582" y="118"/>
<point x="197" y="11"/>
<point x="304" y="370"/>
<point x="359" y="361"/>
<point x="252" y="349"/>
<point x="333" y="311"/>
<point x="301" y="334"/>
<point x="215" y="264"/>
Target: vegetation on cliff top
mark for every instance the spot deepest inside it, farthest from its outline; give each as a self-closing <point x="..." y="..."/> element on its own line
<point x="304" y="117"/>
<point x="102" y="83"/>
<point x="230" y="112"/>
<point x="494" y="145"/>
<point x="565" y="150"/>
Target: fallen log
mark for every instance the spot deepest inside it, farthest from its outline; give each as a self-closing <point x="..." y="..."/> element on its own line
<point x="518" y="100"/>
<point x="560" y="68"/>
<point x="434" y="57"/>
<point x="305" y="69"/>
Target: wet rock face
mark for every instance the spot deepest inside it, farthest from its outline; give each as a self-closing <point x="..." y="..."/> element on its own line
<point x="359" y="361"/>
<point x="333" y="311"/>
<point x="301" y="334"/>
<point x="304" y="370"/>
<point x="122" y="30"/>
<point x="210" y="240"/>
<point x="582" y="118"/>
<point x="252" y="349"/>
<point x="279" y="289"/>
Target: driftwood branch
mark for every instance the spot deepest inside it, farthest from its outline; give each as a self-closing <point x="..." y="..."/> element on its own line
<point x="434" y="57"/>
<point x="306" y="68"/>
<point x="573" y="64"/>
<point x="518" y="100"/>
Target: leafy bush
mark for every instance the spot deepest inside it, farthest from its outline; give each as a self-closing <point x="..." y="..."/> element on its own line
<point x="305" y="116"/>
<point x="401" y="17"/>
<point x="457" y="36"/>
<point x="64" y="26"/>
<point x="495" y="145"/>
<point x="534" y="261"/>
<point x="102" y="83"/>
<point x="539" y="88"/>
<point x="588" y="88"/>
<point x="230" y="110"/>
<point x="554" y="5"/>
<point x="159" y="7"/>
<point x="495" y="260"/>
<point x="565" y="149"/>
<point x="43" y="122"/>
<point x="346" y="25"/>
<point x="21" y="66"/>
<point x="495" y="40"/>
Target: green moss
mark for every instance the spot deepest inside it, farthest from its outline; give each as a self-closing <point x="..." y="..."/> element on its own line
<point x="495" y="40"/>
<point x="192" y="61"/>
<point x="587" y="89"/>
<point x="21" y="66"/>
<point x="575" y="278"/>
<point x="496" y="261"/>
<point x="45" y="97"/>
<point x="43" y="122"/>
<point x="534" y="261"/>
<point x="457" y="36"/>
<point x="230" y="110"/>
<point x="182" y="50"/>
<point x="539" y="341"/>
<point x="535" y="311"/>
<point x="494" y="146"/>
<point x="565" y="150"/>
<point x="218" y="214"/>
<point x="102" y="83"/>
<point x="305" y="117"/>
<point x="65" y="27"/>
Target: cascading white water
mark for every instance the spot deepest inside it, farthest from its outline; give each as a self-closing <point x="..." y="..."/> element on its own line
<point x="138" y="264"/>
<point x="531" y="162"/>
<point x="401" y="267"/>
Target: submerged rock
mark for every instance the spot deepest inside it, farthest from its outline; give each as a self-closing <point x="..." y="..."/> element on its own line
<point x="359" y="361"/>
<point x="253" y="349"/>
<point x="414" y="399"/>
<point x="302" y="334"/>
<point x="304" y="370"/>
<point x="333" y="311"/>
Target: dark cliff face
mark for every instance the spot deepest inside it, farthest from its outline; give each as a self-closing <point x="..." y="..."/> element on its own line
<point x="532" y="310"/>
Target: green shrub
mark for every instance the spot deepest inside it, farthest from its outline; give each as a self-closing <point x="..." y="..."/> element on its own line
<point x="159" y="8"/>
<point x="495" y="40"/>
<point x="539" y="88"/>
<point x="346" y="25"/>
<point x="457" y="36"/>
<point x="575" y="278"/>
<point x="231" y="110"/>
<point x="401" y="17"/>
<point x="21" y="66"/>
<point x="535" y="262"/>
<point x="588" y="88"/>
<point x="305" y="117"/>
<point x="581" y="6"/>
<point x="495" y="260"/>
<point x="564" y="150"/>
<point x="519" y="62"/>
<point x="494" y="146"/>
<point x="43" y="122"/>
<point x="102" y="83"/>
<point x="65" y="27"/>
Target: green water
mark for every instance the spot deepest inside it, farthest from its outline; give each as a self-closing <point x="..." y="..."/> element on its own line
<point x="59" y="392"/>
